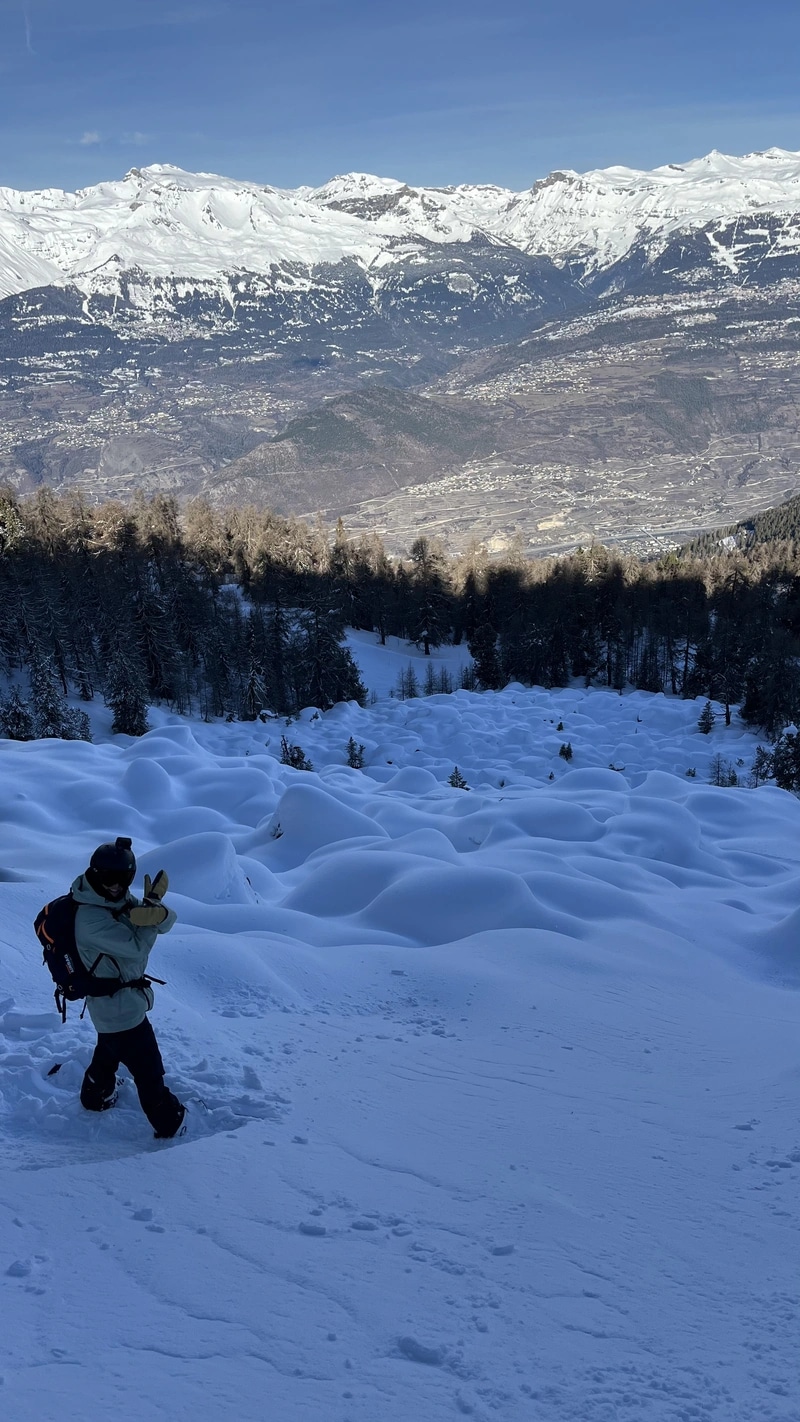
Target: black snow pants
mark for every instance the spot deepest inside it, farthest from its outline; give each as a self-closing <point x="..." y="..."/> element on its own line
<point x="136" y="1049"/>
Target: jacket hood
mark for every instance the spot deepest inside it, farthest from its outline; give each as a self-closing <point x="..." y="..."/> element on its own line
<point x="83" y="893"/>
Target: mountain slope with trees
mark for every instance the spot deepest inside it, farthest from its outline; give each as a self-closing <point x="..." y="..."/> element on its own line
<point x="237" y="613"/>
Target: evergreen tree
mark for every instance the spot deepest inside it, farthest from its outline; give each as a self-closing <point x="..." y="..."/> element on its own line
<point x="763" y="767"/>
<point x="407" y="684"/>
<point x="17" y="721"/>
<point x="722" y="772"/>
<point x="77" y="726"/>
<point x="126" y="691"/>
<point x="254" y="692"/>
<point x="294" y="755"/>
<point x="786" y="761"/>
<point x="47" y="699"/>
<point x="483" y="650"/>
<point x="278" y="642"/>
<point x="772" y="684"/>
<point x="706" y="719"/>
<point x="430" y="621"/>
<point x="330" y="674"/>
<point x="219" y="657"/>
<point x="355" y="754"/>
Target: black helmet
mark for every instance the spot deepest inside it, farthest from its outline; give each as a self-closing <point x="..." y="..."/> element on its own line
<point x="111" y="864"/>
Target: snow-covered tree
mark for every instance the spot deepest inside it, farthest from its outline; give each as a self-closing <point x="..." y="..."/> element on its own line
<point x="17" y="721"/>
<point x="47" y="698"/>
<point x="126" y="693"/>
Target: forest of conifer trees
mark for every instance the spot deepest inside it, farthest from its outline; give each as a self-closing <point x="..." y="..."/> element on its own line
<point x="239" y="612"/>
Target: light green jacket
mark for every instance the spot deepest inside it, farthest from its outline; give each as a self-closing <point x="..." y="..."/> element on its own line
<point x="97" y="930"/>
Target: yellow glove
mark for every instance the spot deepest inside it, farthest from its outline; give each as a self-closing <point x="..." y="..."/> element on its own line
<point x="148" y="915"/>
<point x="157" y="888"/>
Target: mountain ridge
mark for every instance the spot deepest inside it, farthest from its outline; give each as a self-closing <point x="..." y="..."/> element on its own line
<point x="165" y="222"/>
<point x="611" y="355"/>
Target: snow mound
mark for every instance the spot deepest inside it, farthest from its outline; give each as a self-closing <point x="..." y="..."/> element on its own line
<point x="464" y="1068"/>
<point x="203" y="867"/>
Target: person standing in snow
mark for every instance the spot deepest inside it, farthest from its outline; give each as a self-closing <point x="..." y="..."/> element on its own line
<point x="114" y="933"/>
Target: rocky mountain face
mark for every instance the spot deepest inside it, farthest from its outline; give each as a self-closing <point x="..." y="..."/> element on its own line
<point x="610" y="355"/>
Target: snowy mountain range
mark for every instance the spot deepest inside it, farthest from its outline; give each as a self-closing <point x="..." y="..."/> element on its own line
<point x="610" y="354"/>
<point x="163" y="222"/>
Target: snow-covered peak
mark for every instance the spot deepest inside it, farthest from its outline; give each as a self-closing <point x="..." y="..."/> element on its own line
<point x="164" y="221"/>
<point x="352" y="186"/>
<point x="600" y="214"/>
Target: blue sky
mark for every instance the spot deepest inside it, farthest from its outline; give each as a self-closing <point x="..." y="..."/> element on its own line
<point x="432" y="91"/>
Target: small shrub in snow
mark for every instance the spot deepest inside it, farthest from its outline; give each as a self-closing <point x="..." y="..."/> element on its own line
<point x="294" y="756"/>
<point x="722" y="772"/>
<point x="75" y="725"/>
<point x="691" y="772"/>
<point x="457" y="780"/>
<point x="560" y="726"/>
<point x="706" y="719"/>
<point x="566" y="751"/>
<point x="355" y="755"/>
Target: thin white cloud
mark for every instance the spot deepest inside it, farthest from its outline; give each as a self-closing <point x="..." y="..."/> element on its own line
<point x="136" y="138"/>
<point x="28" y="31"/>
<point x="91" y="136"/>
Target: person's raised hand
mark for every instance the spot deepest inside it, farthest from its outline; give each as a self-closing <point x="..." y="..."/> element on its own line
<point x="155" y="889"/>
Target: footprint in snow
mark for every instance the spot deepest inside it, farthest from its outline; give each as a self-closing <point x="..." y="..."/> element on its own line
<point x="41" y="1069"/>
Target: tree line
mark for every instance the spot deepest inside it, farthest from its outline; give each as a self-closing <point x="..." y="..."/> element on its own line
<point x="228" y="613"/>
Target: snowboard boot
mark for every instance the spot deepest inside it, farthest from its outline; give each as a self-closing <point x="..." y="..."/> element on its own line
<point x="96" y="1096"/>
<point x="172" y="1122"/>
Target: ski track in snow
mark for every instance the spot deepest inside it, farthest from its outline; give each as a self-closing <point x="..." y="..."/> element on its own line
<point x="493" y="1095"/>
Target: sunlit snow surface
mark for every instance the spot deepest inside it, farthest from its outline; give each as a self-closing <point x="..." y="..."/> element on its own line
<point x="163" y="221"/>
<point x="494" y="1095"/>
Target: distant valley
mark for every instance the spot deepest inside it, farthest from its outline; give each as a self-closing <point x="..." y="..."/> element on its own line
<point x="611" y="356"/>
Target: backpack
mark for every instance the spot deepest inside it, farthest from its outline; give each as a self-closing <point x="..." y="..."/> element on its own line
<point x="54" y="926"/>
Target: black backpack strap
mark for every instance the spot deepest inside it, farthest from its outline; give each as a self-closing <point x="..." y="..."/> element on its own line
<point x="111" y="986"/>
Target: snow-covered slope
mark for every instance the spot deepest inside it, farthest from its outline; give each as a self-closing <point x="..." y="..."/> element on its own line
<point x="601" y="214"/>
<point x="164" y="222"/>
<point x="493" y="1093"/>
